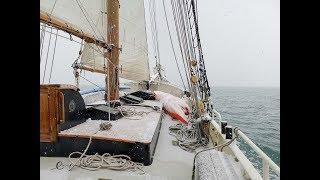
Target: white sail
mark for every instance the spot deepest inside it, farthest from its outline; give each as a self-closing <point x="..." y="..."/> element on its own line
<point x="134" y="64"/>
<point x="92" y="58"/>
<point x="133" y="59"/>
<point x="87" y="16"/>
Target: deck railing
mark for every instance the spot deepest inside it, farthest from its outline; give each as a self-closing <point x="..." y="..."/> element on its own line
<point x="267" y="163"/>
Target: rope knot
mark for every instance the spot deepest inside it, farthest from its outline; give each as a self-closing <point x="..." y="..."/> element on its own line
<point x="105" y="126"/>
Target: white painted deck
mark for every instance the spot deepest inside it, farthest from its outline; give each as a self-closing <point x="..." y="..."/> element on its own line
<point x="170" y="163"/>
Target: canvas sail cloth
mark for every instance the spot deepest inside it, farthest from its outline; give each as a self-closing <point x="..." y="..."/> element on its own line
<point x="90" y="17"/>
<point x="78" y="13"/>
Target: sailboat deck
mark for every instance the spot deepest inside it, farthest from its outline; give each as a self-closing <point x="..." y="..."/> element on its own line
<point x="136" y="128"/>
<point x="169" y="162"/>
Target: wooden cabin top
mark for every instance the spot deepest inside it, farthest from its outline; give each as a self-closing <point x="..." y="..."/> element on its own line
<point x="132" y="129"/>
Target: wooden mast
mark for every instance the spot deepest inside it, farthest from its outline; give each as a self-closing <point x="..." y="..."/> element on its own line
<point x="113" y="50"/>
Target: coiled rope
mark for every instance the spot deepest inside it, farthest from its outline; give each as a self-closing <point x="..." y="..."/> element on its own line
<point x="130" y="112"/>
<point x="221" y="146"/>
<point x="189" y="139"/>
<point x="115" y="162"/>
<point x="104" y="161"/>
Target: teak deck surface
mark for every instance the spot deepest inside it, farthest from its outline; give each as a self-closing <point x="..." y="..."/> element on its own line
<point x="127" y="129"/>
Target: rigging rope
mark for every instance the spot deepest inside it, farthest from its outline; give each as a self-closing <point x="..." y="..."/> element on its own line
<point x="191" y="39"/>
<point x="64" y="37"/>
<point x="43" y="33"/>
<point x="54" y="5"/>
<point x="204" y="84"/>
<point x="174" y="53"/>
<point x="154" y="32"/>
<point x="53" y="56"/>
<point x="42" y="36"/>
<point x="88" y="18"/>
<point x="81" y="44"/>
<point x="45" y="66"/>
<point x="96" y="50"/>
<point x="182" y="33"/>
<point x="182" y="29"/>
<point x="192" y="36"/>
<point x="91" y="82"/>
<point x="56" y="34"/>
<point x="188" y="28"/>
<point x="180" y="44"/>
<point x="186" y="23"/>
<point x="80" y="53"/>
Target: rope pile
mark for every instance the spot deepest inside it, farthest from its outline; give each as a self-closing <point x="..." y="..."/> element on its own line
<point x="131" y="111"/>
<point x="221" y="146"/>
<point x="154" y="30"/>
<point x="105" y="161"/>
<point x="189" y="139"/>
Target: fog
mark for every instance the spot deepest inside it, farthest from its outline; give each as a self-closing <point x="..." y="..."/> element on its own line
<point x="240" y="41"/>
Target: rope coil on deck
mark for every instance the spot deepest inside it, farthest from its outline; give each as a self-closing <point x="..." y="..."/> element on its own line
<point x="189" y="139"/>
<point x="106" y="160"/>
<point x="130" y="112"/>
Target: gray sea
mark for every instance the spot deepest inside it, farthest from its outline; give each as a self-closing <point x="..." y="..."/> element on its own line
<point x="256" y="111"/>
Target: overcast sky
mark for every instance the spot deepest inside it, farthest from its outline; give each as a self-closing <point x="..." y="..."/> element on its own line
<point x="240" y="41"/>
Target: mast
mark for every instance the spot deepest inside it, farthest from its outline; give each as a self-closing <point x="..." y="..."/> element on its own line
<point x="112" y="79"/>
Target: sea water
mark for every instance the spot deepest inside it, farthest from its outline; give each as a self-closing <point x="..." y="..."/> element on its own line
<point x="256" y="111"/>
